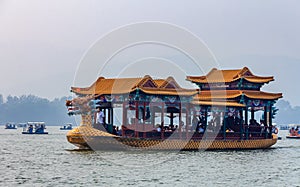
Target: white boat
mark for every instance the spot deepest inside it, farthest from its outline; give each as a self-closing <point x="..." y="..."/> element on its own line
<point x="68" y="126"/>
<point x="10" y="126"/>
<point x="35" y="128"/>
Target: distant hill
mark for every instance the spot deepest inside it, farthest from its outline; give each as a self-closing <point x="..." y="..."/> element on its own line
<point x="32" y="108"/>
<point x="286" y="113"/>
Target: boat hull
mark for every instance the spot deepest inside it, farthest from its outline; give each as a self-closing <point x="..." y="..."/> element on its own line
<point x="87" y="137"/>
<point x="34" y="133"/>
<point x="293" y="137"/>
<point x="64" y="129"/>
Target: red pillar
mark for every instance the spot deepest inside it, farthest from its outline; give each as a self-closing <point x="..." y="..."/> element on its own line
<point x="172" y="118"/>
<point x="180" y="133"/>
<point x="270" y="121"/>
<point x="252" y="113"/>
<point x="109" y="116"/>
<point x="95" y="118"/>
<point x="162" y="120"/>
<point x="246" y="123"/>
<point x="187" y="121"/>
<point x="152" y="116"/>
<point x="241" y="123"/>
<point x="144" y="117"/>
<point x="104" y="120"/>
<point x="136" y="118"/>
<point x="124" y="118"/>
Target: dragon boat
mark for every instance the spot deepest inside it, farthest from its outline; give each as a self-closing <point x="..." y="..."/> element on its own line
<point x="158" y="114"/>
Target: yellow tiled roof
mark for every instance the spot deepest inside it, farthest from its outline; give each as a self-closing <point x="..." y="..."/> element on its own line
<point x="167" y="91"/>
<point x="107" y="86"/>
<point x="219" y="103"/>
<point x="159" y="82"/>
<point x="127" y="85"/>
<point x="224" y="76"/>
<point x="231" y="94"/>
<point x="167" y="83"/>
<point x="262" y="95"/>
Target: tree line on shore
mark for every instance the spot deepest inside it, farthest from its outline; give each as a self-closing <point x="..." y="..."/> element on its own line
<point x="33" y="108"/>
<point x="287" y="114"/>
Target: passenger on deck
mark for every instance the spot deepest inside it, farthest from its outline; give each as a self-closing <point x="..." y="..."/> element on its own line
<point x="238" y="120"/>
<point x="293" y="132"/>
<point x="216" y="119"/>
<point x="30" y="129"/>
<point x="195" y="123"/>
<point x="100" y="119"/>
<point x="119" y="131"/>
<point x="181" y="124"/>
<point x="40" y="129"/>
<point x="201" y="129"/>
<point x="254" y="122"/>
<point x="158" y="128"/>
<point x="274" y="129"/>
<point x="114" y="131"/>
<point x="266" y="129"/>
<point x="230" y="121"/>
<point x="210" y="126"/>
<point x="171" y="127"/>
<point x="168" y="128"/>
<point x="215" y="123"/>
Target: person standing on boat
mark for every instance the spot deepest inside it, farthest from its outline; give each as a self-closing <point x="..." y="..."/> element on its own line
<point x="195" y="123"/>
<point x="216" y="121"/>
<point x="100" y="118"/>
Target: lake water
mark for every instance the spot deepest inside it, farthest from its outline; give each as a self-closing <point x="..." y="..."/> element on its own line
<point x="49" y="160"/>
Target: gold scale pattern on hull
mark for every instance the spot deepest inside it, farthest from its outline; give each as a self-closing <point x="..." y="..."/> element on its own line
<point x="88" y="137"/>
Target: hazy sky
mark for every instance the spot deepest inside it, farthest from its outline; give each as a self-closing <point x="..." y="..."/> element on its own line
<point x="43" y="42"/>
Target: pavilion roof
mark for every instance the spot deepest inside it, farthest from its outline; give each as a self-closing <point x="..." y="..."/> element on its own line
<point x="225" y="76"/>
<point x="168" y="91"/>
<point x="103" y="86"/>
<point x="167" y="83"/>
<point x="231" y="94"/>
<point x="219" y="103"/>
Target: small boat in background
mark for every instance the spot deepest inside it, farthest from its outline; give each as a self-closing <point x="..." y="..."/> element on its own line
<point x="35" y="128"/>
<point x="294" y="133"/>
<point x="67" y="127"/>
<point x="283" y="127"/>
<point x="22" y="125"/>
<point x="10" y="126"/>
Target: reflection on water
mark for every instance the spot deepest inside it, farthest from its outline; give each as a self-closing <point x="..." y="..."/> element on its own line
<point x="48" y="160"/>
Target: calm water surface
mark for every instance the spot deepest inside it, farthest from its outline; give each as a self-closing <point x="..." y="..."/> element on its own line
<point x="49" y="160"/>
